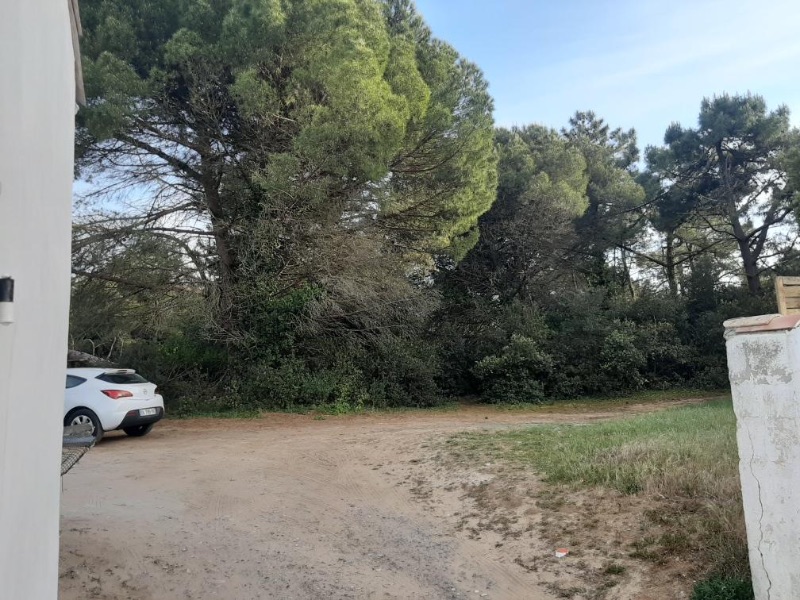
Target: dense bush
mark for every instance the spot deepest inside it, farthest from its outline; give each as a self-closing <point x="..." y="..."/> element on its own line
<point x="186" y="367"/>
<point x="518" y="373"/>
<point x="402" y="372"/>
<point x="578" y="343"/>
<point x="290" y="384"/>
<point x="586" y="342"/>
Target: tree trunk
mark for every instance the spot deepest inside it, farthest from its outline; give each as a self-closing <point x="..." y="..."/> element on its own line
<point x="669" y="267"/>
<point x="749" y="258"/>
<point x="627" y="275"/>
<point x="226" y="269"/>
<point x="76" y="358"/>
<point x="750" y="268"/>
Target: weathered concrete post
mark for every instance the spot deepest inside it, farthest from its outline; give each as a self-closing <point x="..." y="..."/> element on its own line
<point x="764" y="366"/>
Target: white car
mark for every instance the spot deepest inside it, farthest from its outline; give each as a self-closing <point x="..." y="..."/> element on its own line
<point x="111" y="399"/>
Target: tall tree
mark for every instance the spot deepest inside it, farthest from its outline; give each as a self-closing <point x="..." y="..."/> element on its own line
<point x="523" y="254"/>
<point x="612" y="217"/>
<point x="527" y="236"/>
<point x="671" y="239"/>
<point x="249" y="128"/>
<point x="732" y="168"/>
<point x="444" y="177"/>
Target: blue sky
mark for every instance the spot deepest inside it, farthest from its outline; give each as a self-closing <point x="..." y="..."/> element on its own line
<point x="640" y="64"/>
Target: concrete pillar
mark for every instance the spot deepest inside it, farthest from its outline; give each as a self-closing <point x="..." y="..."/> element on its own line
<point x="764" y="366"/>
<point x="37" y="112"/>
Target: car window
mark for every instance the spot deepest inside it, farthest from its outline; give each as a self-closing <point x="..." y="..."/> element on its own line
<point x="74" y="380"/>
<point x="121" y="378"/>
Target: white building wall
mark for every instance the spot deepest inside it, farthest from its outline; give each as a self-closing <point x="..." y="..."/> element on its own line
<point x="37" y="111"/>
<point x="764" y="365"/>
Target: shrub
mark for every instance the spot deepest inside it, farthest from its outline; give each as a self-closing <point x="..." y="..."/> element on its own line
<point x="517" y="374"/>
<point x="402" y="372"/>
<point x="183" y="366"/>
<point x="291" y="384"/>
<point x="621" y="360"/>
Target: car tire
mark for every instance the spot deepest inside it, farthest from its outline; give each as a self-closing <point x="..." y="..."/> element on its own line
<point x="138" y="430"/>
<point x="84" y="416"/>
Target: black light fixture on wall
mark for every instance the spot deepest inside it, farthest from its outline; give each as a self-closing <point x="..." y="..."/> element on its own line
<point x="6" y="300"/>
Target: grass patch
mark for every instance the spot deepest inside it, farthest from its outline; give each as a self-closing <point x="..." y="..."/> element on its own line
<point x="593" y="403"/>
<point x="687" y="452"/>
<point x="685" y="459"/>
<point x="321" y="411"/>
<point x="225" y="408"/>
<point x="614" y="569"/>
<point x="720" y="588"/>
<point x="223" y="413"/>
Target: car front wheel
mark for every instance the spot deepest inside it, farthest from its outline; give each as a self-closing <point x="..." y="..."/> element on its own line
<point x="84" y="416"/>
<point x="138" y="430"/>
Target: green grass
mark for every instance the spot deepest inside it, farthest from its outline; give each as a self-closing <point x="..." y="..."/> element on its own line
<point x="592" y="403"/>
<point x="325" y="410"/>
<point x="221" y="410"/>
<point x="684" y="458"/>
<point x="334" y="409"/>
<point x="232" y="413"/>
<point x="688" y="451"/>
<point x="723" y="589"/>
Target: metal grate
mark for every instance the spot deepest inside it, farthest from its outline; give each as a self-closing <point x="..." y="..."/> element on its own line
<point x="77" y="441"/>
<point x="70" y="457"/>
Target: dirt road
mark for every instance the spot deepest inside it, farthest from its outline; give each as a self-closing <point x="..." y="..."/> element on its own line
<point x="285" y="507"/>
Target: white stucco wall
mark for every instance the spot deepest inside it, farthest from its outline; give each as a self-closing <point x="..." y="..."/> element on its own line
<point x="36" y="150"/>
<point x="764" y="370"/>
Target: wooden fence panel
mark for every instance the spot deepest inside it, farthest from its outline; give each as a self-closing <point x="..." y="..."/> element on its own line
<point x="788" y="292"/>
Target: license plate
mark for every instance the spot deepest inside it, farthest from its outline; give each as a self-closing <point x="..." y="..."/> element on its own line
<point x="146" y="412"/>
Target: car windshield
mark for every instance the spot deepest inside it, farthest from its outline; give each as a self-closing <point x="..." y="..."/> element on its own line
<point x="122" y="378"/>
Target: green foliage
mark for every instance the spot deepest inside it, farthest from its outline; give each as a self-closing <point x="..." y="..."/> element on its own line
<point x="403" y="372"/>
<point x="621" y="359"/>
<point x="734" y="172"/>
<point x="612" y="190"/>
<point x="597" y="344"/>
<point x="607" y="344"/>
<point x="186" y="366"/>
<point x="525" y="236"/>
<point x="320" y="151"/>
<point x="324" y="101"/>
<point x="638" y="453"/>
<point x="517" y="374"/>
<point x="391" y="373"/>
<point x="723" y="588"/>
<point x="290" y="385"/>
